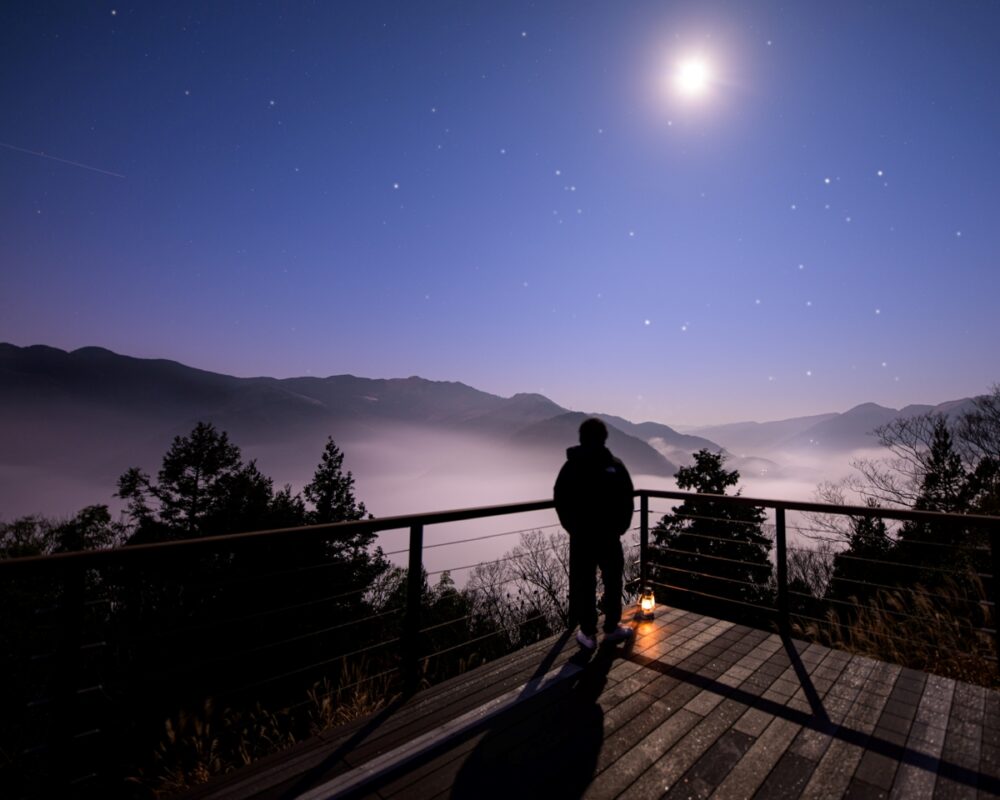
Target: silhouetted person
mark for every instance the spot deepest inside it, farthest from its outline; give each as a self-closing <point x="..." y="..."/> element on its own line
<point x="593" y="497"/>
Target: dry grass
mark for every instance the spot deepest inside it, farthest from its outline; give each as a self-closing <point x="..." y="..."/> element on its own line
<point x="939" y="631"/>
<point x="198" y="745"/>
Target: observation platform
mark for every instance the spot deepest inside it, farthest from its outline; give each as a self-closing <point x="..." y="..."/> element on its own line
<point x="695" y="707"/>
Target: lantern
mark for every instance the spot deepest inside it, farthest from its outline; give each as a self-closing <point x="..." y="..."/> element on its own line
<point x="647" y="602"/>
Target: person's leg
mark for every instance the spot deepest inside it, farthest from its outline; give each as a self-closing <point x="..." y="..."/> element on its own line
<point x="582" y="584"/>
<point x="612" y="564"/>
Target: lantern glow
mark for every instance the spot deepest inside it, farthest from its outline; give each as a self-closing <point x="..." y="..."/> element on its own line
<point x="647" y="602"/>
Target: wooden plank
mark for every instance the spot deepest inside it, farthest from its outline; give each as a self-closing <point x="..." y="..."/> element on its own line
<point x="963" y="739"/>
<point x="836" y="768"/>
<point x="699" y="706"/>
<point x="926" y="737"/>
<point x="634" y="775"/>
<point x="758" y="761"/>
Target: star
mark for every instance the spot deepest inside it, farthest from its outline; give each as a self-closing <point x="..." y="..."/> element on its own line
<point x="524" y="34"/>
<point x="647" y="322"/>
<point x="878" y="310"/>
<point x="395" y="186"/>
<point x="809" y="373"/>
<point x="880" y="173"/>
<point x="114" y="12"/>
<point x="826" y="181"/>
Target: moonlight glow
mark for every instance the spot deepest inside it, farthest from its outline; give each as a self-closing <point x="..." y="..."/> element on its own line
<point x="692" y="77"/>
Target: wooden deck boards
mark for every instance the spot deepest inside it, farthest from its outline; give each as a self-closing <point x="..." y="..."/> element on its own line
<point x="695" y="708"/>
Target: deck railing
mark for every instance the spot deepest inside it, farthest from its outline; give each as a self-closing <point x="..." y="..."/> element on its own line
<point x="108" y="656"/>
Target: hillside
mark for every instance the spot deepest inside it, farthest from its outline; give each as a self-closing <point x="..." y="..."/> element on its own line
<point x="72" y="422"/>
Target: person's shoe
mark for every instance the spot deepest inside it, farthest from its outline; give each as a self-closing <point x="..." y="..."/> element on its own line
<point x="619" y="634"/>
<point x="585" y="641"/>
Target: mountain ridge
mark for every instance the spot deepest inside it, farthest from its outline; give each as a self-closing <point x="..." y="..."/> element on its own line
<point x="90" y="413"/>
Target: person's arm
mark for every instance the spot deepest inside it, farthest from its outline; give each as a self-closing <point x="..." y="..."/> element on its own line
<point x="627" y="502"/>
<point x="563" y="495"/>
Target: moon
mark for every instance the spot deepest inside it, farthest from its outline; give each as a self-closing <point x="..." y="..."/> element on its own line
<point x="693" y="77"/>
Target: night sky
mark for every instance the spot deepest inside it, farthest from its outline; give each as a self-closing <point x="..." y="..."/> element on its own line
<point x="690" y="213"/>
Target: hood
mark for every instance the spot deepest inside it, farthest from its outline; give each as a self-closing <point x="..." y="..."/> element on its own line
<point x="583" y="453"/>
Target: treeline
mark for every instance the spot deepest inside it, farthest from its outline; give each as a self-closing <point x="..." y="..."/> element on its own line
<point x="207" y="658"/>
<point x="916" y="592"/>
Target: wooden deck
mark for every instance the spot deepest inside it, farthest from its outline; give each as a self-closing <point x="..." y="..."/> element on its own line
<point x="696" y="707"/>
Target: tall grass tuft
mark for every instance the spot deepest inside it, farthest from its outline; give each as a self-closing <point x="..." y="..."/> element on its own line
<point x="200" y="744"/>
<point x="945" y="631"/>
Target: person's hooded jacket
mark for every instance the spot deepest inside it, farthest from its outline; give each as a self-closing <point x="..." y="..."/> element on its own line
<point x="593" y="493"/>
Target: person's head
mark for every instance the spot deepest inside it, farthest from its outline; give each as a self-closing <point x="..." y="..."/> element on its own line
<point x="593" y="432"/>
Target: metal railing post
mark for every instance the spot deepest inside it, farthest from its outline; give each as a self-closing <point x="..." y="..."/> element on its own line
<point x="411" y="622"/>
<point x="994" y="534"/>
<point x="781" y="557"/>
<point x="643" y="541"/>
<point x="67" y="673"/>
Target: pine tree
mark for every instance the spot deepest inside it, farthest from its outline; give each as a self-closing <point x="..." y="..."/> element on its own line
<point x="862" y="564"/>
<point x="713" y="553"/>
<point x="944" y="487"/>
<point x="331" y="495"/>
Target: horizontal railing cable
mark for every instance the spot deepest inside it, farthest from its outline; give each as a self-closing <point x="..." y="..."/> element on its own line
<point x="880" y="635"/>
<point x="305" y="636"/>
<point x="844" y="540"/>
<point x="491" y="536"/>
<point x="860" y="606"/>
<point x="520" y="623"/>
<point x="310" y="667"/>
<point x="757" y="606"/>
<point x="228" y="621"/>
<point x="513" y="557"/>
<point x="706" y="575"/>
<point x="942" y="570"/>
<point x="696" y="554"/>
<point x="339" y="689"/>
<point x="730" y="540"/>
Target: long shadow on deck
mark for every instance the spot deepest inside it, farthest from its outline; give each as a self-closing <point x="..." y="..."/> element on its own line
<point x="552" y="752"/>
<point x="818" y="720"/>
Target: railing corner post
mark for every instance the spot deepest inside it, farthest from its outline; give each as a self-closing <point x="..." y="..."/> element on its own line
<point x="411" y="621"/>
<point x="643" y="541"/>
<point x="994" y="594"/>
<point x="781" y="559"/>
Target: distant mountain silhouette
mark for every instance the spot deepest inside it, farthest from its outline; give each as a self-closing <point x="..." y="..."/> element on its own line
<point x="73" y="421"/>
<point x="669" y="443"/>
<point x="552" y="436"/>
<point x="832" y="433"/>
<point x="87" y="415"/>
<point x="752" y="437"/>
